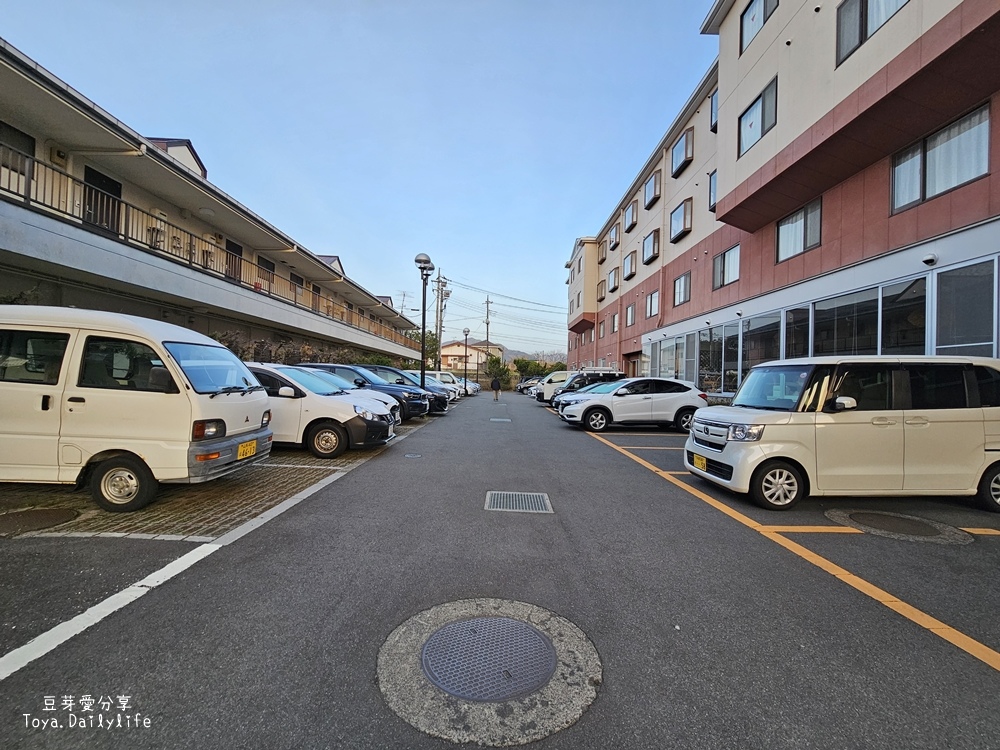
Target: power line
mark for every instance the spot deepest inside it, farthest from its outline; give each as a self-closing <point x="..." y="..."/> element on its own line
<point x="505" y="296"/>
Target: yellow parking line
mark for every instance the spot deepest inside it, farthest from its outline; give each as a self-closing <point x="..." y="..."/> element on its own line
<point x="650" y="448"/>
<point x="810" y="529"/>
<point x="965" y="643"/>
<point x="983" y="532"/>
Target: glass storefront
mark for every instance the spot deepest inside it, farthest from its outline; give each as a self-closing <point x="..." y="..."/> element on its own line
<point x="890" y="318"/>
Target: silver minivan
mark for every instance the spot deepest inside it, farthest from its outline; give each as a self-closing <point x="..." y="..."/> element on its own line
<point x="859" y="426"/>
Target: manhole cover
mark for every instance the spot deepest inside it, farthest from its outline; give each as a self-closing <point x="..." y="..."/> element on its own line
<point x="510" y="636"/>
<point x="488" y="659"/>
<point x="523" y="502"/>
<point x="896" y="524"/>
<point x="33" y="519"/>
<point x="899" y="526"/>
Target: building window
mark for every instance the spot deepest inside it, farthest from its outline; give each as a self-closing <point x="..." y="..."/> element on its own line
<point x="13" y="140"/>
<point x="713" y="122"/>
<point x="631" y="215"/>
<point x="628" y="266"/>
<point x="651" y="246"/>
<point x="726" y="267"/>
<point x="712" y="183"/>
<point x="578" y="295"/>
<point x="653" y="304"/>
<point x="800" y="231"/>
<point x="602" y="251"/>
<point x="630" y="315"/>
<point x="759" y="117"/>
<point x="682" y="289"/>
<point x="651" y="190"/>
<point x="964" y="320"/>
<point x="614" y="323"/>
<point x="613" y="237"/>
<point x="947" y="159"/>
<point x="680" y="220"/>
<point x="857" y="20"/>
<point x="600" y="330"/>
<point x="682" y="153"/>
<point x="753" y="19"/>
<point x="847" y="324"/>
<point x="613" y="279"/>
<point x="297" y="282"/>
<point x="601" y="287"/>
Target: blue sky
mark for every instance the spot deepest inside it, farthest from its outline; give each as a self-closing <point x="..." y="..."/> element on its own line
<point x="489" y="134"/>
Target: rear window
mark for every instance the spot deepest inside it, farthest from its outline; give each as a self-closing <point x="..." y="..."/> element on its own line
<point x="989" y="386"/>
<point x="937" y="386"/>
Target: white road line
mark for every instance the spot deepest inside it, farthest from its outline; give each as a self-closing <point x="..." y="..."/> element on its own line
<point x="49" y="640"/>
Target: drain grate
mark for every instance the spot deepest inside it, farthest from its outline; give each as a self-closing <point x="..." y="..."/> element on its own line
<point x="521" y="502"/>
<point x="488" y="659"/>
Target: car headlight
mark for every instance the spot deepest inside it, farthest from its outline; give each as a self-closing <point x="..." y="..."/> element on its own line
<point x="745" y="433"/>
<point x="364" y="413"/>
<point x="413" y="396"/>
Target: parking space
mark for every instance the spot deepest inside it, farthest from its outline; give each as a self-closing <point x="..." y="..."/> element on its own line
<point x="923" y="558"/>
<point x="191" y="513"/>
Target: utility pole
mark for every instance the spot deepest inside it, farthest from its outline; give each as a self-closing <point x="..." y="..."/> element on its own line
<point x="488" y="303"/>
<point x="443" y="293"/>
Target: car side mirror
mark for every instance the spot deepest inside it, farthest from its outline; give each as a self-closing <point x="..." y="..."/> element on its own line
<point x="286" y="391"/>
<point x="400" y="381"/>
<point x="623" y="392"/>
<point x="844" y="403"/>
<point x="360" y="382"/>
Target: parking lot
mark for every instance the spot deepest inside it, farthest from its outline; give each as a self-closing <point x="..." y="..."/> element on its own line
<point x="717" y="624"/>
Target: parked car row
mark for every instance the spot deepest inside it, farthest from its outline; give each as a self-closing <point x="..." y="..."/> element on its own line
<point x="121" y="403"/>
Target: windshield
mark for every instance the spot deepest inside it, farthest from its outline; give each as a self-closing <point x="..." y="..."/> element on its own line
<point x="343" y="383"/>
<point x="371" y="376"/>
<point x="608" y="387"/>
<point x="310" y="380"/>
<point x="777" y="388"/>
<point x="212" y="369"/>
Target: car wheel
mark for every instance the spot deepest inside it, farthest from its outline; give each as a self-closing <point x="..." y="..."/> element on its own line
<point x="683" y="419"/>
<point x="326" y="440"/>
<point x="777" y="485"/>
<point x="989" y="489"/>
<point x="122" y="484"/>
<point x="597" y="420"/>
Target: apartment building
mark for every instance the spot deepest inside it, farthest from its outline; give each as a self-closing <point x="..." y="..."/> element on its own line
<point x="830" y="187"/>
<point x="94" y="215"/>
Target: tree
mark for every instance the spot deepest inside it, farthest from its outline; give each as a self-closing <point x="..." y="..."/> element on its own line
<point x="496" y="368"/>
<point x="555" y="368"/>
<point x="430" y="345"/>
<point x="527" y="368"/>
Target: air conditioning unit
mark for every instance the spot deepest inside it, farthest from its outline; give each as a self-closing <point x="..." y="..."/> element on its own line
<point x="159" y="213"/>
<point x="214" y="237"/>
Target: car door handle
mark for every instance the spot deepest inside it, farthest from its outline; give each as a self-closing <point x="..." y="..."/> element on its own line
<point x="77" y="400"/>
<point x="883" y="421"/>
<point x="45" y="402"/>
<point x="917" y="421"/>
<point x="647" y="398"/>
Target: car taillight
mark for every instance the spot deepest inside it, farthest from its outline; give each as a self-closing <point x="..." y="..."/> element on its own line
<point x="703" y="395"/>
<point x="206" y="429"/>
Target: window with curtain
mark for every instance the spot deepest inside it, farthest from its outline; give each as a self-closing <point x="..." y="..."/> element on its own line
<point x="800" y="231"/>
<point x="753" y="18"/>
<point x="951" y="157"/>
<point x="726" y="267"/>
<point x="759" y="117"/>
<point x="682" y="289"/>
<point x="857" y="20"/>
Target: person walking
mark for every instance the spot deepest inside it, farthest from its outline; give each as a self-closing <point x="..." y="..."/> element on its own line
<point x="495" y="385"/>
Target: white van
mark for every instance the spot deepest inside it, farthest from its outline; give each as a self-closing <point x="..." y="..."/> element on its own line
<point x="122" y="403"/>
<point x="546" y="387"/>
<point x="859" y="426"/>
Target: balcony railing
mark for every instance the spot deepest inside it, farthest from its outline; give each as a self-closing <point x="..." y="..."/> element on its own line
<point x="46" y="188"/>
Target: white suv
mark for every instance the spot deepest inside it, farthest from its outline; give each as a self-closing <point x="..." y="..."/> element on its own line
<point x="636" y="401"/>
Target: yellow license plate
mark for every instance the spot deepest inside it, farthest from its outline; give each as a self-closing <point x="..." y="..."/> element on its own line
<point x="700" y="462"/>
<point x="245" y="450"/>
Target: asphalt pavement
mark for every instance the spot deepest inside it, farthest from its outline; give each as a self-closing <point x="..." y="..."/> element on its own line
<point x="710" y="635"/>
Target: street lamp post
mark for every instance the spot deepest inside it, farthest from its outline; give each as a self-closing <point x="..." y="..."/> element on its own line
<point x="423" y="262"/>
<point x="465" y="368"/>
